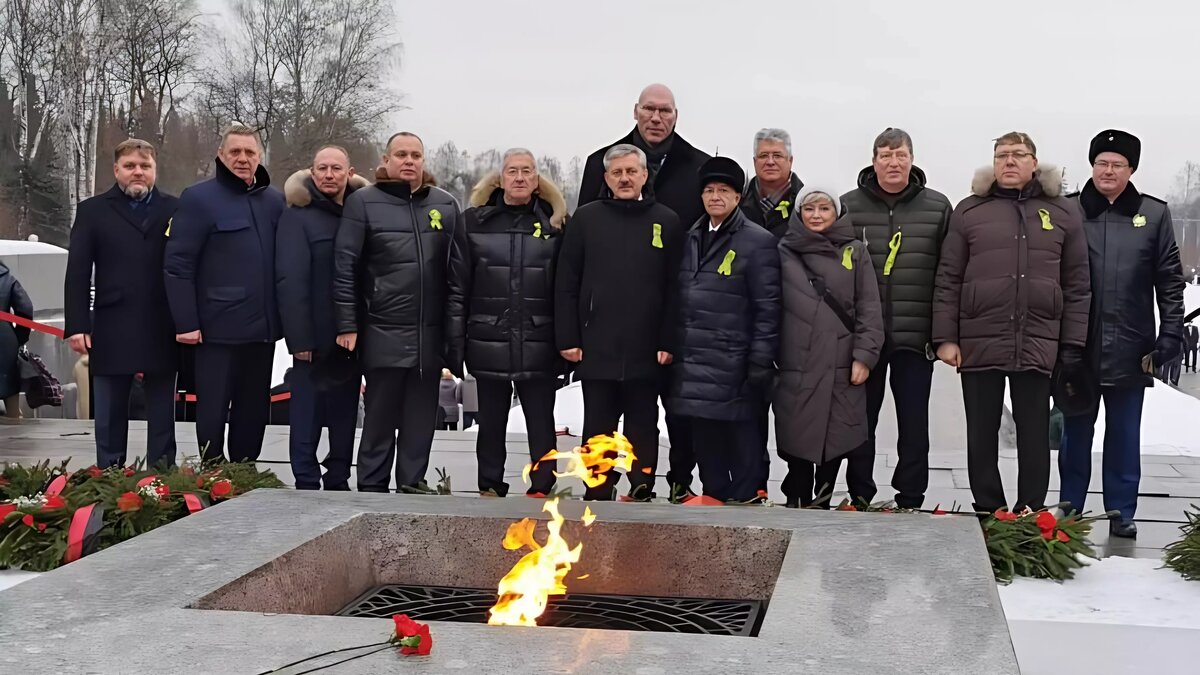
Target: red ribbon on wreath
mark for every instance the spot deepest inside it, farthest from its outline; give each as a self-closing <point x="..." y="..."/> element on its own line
<point x="193" y="502"/>
<point x="86" y="523"/>
<point x="56" y="486"/>
<point x="146" y="481"/>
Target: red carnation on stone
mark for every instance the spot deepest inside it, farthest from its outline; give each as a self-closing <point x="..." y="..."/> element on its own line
<point x="162" y="491"/>
<point x="199" y="482"/>
<point x="130" y="501"/>
<point x="41" y="527"/>
<point x="94" y="471"/>
<point x="413" y="637"/>
<point x="1046" y="521"/>
<point x="128" y="471"/>
<point x="938" y="510"/>
<point x="28" y="520"/>
<point x="222" y="489"/>
<point x="1005" y="515"/>
<point x="1063" y="536"/>
<point x="1047" y="534"/>
<point x="6" y="509"/>
<point x="847" y="507"/>
<point x="53" y="502"/>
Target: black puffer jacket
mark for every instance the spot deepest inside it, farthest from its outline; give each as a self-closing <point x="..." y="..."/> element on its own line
<point x="921" y="216"/>
<point x="729" y="319"/>
<point x="675" y="183"/>
<point x="1134" y="261"/>
<point x="304" y="263"/>
<point x="398" y="275"/>
<point x="511" y="253"/>
<point x="615" y="293"/>
<point x="775" y="220"/>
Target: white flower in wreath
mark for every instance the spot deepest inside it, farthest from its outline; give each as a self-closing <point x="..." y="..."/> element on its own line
<point x="34" y="502"/>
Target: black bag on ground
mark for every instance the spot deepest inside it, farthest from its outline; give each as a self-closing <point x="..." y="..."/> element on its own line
<point x="40" y="386"/>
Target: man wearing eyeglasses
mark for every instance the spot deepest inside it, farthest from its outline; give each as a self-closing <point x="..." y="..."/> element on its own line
<point x="1134" y="262"/>
<point x="674" y="181"/>
<point x="1011" y="296"/>
<point x="771" y="195"/>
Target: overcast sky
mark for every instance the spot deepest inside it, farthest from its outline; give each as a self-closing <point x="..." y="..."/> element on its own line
<point x="562" y="77"/>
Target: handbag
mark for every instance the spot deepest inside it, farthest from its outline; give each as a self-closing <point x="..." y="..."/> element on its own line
<point x="37" y="382"/>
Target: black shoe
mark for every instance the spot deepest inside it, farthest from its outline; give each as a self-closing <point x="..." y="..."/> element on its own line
<point x="680" y="493"/>
<point x="421" y="488"/>
<point x="1126" y="529"/>
<point x="792" y="504"/>
<point x="640" y="493"/>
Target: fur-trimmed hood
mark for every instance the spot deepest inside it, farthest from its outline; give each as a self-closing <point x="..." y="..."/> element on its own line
<point x="1049" y="175"/>
<point x="481" y="195"/>
<point x="296" y="189"/>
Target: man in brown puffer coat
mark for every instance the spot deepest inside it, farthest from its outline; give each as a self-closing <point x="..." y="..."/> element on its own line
<point x="1011" y="298"/>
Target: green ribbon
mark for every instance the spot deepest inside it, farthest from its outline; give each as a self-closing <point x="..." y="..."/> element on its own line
<point x="848" y="257"/>
<point x="726" y="267"/>
<point x="1045" y="216"/>
<point x="783" y="208"/>
<point x="435" y="219"/>
<point x="537" y="229"/>
<point x="894" y="245"/>
<point x="656" y="242"/>
<point x="1138" y="221"/>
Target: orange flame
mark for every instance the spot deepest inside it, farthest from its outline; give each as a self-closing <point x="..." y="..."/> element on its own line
<point x="592" y="462"/>
<point x="527" y="587"/>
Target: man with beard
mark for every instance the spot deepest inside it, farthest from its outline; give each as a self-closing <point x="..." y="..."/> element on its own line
<point x="220" y="275"/>
<point x="324" y="378"/>
<point x="673" y="180"/>
<point x="119" y="237"/>
<point x="614" y="311"/>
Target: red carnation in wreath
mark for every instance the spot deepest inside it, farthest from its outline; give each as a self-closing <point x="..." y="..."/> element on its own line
<point x="412" y="637"/>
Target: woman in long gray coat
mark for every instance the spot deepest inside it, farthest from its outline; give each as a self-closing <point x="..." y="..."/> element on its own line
<point x="831" y="335"/>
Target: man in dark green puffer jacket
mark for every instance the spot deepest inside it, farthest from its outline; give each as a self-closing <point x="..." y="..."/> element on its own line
<point x="903" y="224"/>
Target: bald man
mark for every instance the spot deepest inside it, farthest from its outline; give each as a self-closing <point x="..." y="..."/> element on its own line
<point x="674" y="167"/>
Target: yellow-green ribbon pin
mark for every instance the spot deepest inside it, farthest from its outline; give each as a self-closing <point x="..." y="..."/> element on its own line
<point x="726" y="267"/>
<point x="1045" y="216"/>
<point x="537" y="229"/>
<point x="656" y="242"/>
<point x="894" y="245"/>
<point x="435" y="219"/>
<point x="848" y="257"/>
<point x="783" y="208"/>
<point x="169" y="221"/>
<point x="1139" y="220"/>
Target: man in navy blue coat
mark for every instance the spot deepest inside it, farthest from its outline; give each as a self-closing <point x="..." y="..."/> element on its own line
<point x="325" y="378"/>
<point x="121" y="234"/>
<point x="220" y="274"/>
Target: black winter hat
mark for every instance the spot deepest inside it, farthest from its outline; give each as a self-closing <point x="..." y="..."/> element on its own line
<point x="1121" y="142"/>
<point x="723" y="170"/>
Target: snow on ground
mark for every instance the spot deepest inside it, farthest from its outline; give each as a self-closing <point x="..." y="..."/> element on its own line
<point x="1123" y="591"/>
<point x="9" y="578"/>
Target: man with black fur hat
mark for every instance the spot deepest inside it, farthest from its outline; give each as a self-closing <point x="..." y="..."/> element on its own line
<point x="728" y="336"/>
<point x="1134" y="263"/>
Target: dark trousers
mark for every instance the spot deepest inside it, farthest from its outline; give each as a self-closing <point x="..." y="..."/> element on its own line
<point x="110" y="400"/>
<point x="911" y="379"/>
<point x="1122" y="451"/>
<point x="682" y="455"/>
<point x="763" y="421"/>
<point x="604" y="403"/>
<point x="401" y="411"/>
<point x="233" y="382"/>
<point x="1190" y="354"/>
<point x="495" y="402"/>
<point x="730" y="456"/>
<point x="860" y="481"/>
<point x="983" y="398"/>
<point x="312" y="410"/>
<point x="798" y="483"/>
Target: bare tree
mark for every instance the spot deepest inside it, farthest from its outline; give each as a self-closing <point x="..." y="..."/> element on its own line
<point x="155" y="50"/>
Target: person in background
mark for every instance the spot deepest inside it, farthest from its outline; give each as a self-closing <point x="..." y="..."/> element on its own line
<point x="448" y="400"/>
<point x="1193" y="344"/>
<point x="1134" y="266"/>
<point x="830" y="338"/>
<point x="469" y="387"/>
<point x="615" y="311"/>
<point x="398" y="299"/>
<point x="220" y="280"/>
<point x="119" y="236"/>
<point x="903" y="224"/>
<point x="514" y="231"/>
<point x="1011" y="298"/>
<point x="729" y="335"/>
<point x="324" y="378"/>
<point x="14" y="300"/>
<point x="673" y="181"/>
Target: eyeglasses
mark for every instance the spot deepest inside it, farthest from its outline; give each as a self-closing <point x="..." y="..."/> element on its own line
<point x="664" y="111"/>
<point x="523" y="172"/>
<point x="773" y="156"/>
<point x="1017" y="155"/>
<point x="1115" y="166"/>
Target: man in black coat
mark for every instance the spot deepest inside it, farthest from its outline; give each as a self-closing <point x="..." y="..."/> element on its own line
<point x="729" y="304"/>
<point x="514" y="229"/>
<point x="1134" y="263"/>
<point x="615" y="311"/>
<point x="674" y="182"/>
<point x="398" y="301"/>
<point x="324" y="377"/>
<point x="1193" y="343"/>
<point x="903" y="224"/>
<point x="220" y="273"/>
<point x="771" y="195"/>
<point x="121" y="234"/>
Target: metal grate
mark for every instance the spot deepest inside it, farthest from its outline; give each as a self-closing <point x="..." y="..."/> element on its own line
<point x="613" y="612"/>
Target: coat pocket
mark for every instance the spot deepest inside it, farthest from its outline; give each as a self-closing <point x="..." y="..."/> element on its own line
<point x="233" y="225"/>
<point x="226" y="293"/>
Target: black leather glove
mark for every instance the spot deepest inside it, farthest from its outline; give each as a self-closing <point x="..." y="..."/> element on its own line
<point x="762" y="380"/>
<point x="1070" y="357"/>
<point x="1166" y="349"/>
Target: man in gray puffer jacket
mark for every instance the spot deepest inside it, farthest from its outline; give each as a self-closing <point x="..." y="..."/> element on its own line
<point x="903" y="224"/>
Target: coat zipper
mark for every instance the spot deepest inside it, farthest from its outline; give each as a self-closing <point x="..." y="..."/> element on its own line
<point x="412" y="211"/>
<point x="888" y="311"/>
